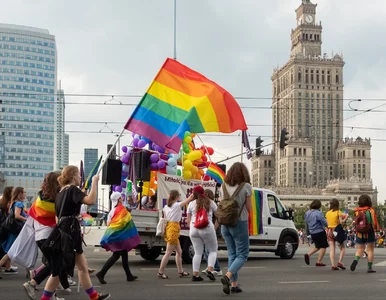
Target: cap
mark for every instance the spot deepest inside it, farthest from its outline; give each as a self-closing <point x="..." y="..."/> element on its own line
<point x="115" y="197"/>
<point x="199" y="190"/>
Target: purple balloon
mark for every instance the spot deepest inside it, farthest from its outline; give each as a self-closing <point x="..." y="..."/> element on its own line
<point x="125" y="174"/>
<point x="141" y="143"/>
<point x="125" y="168"/>
<point x="154" y="166"/>
<point x="154" y="158"/>
<point x="123" y="197"/>
<point x="118" y="189"/>
<point x="125" y="159"/>
<point x="124" y="149"/>
<point x="159" y="149"/>
<point x="135" y="142"/>
<point x="123" y="184"/>
<point x="161" y="164"/>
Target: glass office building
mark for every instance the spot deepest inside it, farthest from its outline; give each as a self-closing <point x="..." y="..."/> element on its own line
<point x="28" y="76"/>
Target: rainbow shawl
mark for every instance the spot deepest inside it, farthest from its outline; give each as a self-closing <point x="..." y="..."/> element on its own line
<point x="43" y="211"/>
<point x="179" y="100"/>
<point x="255" y="218"/>
<point x="121" y="233"/>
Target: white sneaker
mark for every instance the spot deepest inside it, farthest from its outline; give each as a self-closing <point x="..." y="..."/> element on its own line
<point x="30" y="290"/>
<point x="56" y="298"/>
<point x="217" y="273"/>
<point x="14" y="268"/>
<point x="62" y="290"/>
<point x="71" y="282"/>
<point x="205" y="271"/>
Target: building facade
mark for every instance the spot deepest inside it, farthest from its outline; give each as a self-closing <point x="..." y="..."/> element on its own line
<point x="308" y="102"/>
<point x="28" y="76"/>
<point x="61" y="153"/>
<point x="90" y="159"/>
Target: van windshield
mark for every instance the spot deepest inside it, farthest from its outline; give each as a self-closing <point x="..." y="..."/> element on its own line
<point x="275" y="207"/>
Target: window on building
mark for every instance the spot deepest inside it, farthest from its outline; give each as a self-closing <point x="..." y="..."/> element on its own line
<point x="354" y="153"/>
<point x="363" y="153"/>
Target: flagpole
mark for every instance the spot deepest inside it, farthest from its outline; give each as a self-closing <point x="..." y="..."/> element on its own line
<point x="175" y="31"/>
<point x="111" y="150"/>
<point x="242" y="148"/>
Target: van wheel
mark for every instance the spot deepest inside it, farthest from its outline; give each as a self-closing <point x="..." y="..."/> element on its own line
<point x="287" y="250"/>
<point x="187" y="251"/>
<point x="149" y="254"/>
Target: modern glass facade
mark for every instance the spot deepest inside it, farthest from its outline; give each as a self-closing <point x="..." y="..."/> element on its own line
<point x="61" y="152"/>
<point x="90" y="159"/>
<point x="28" y="76"/>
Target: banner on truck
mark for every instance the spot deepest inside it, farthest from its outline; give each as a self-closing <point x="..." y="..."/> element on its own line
<point x="166" y="183"/>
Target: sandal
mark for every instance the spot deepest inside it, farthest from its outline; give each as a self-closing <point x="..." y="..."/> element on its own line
<point x="162" y="276"/>
<point x="183" y="274"/>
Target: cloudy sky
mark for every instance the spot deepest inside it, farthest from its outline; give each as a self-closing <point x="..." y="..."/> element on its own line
<point x="116" y="48"/>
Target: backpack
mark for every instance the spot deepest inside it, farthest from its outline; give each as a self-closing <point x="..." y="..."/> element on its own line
<point x="202" y="219"/>
<point x="228" y="211"/>
<point x="361" y="223"/>
<point x="3" y="232"/>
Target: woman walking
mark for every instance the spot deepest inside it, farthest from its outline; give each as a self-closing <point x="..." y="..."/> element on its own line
<point x="316" y="224"/>
<point x="17" y="206"/>
<point x="334" y="218"/>
<point x="42" y="212"/>
<point x="67" y="207"/>
<point x="173" y="213"/>
<point x="5" y="204"/>
<point x="364" y="239"/>
<point x="121" y="236"/>
<point x="202" y="232"/>
<point x="237" y="237"/>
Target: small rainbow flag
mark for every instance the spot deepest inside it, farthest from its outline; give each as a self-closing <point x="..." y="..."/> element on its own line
<point x="43" y="211"/>
<point x="179" y="100"/>
<point x="121" y="233"/>
<point x="87" y="220"/>
<point x="255" y="218"/>
<point x="93" y="172"/>
<point x="216" y="173"/>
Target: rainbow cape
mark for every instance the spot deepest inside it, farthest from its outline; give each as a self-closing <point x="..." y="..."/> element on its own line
<point x="255" y="218"/>
<point x="121" y="233"/>
<point x="215" y="172"/>
<point x="43" y="211"/>
<point x="179" y="100"/>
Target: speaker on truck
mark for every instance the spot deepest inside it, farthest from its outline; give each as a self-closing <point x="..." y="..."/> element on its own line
<point x="142" y="165"/>
<point x="112" y="172"/>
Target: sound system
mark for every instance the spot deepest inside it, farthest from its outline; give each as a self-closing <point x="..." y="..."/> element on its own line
<point x="142" y="165"/>
<point x="112" y="172"/>
<point x="223" y="167"/>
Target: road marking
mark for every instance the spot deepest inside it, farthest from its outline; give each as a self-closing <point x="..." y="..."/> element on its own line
<point x="382" y="280"/>
<point x="302" y="282"/>
<point x="380" y="264"/>
<point x="97" y="250"/>
<point x="192" y="284"/>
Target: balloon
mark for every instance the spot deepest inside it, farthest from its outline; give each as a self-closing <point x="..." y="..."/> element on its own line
<point x="188" y="139"/>
<point x="187" y="174"/>
<point x="118" y="189"/>
<point x="204" y="158"/>
<point x="179" y="172"/>
<point x="123" y="184"/>
<point x="154" y="166"/>
<point x="210" y="150"/>
<point x="123" y="197"/>
<point x="145" y="139"/>
<point x="136" y="136"/>
<point x="194" y="155"/>
<point x="201" y="172"/>
<point x="187" y="133"/>
<point x="154" y="158"/>
<point x="172" y="162"/>
<point x="194" y="170"/>
<point x="141" y="143"/>
<point x="187" y="164"/>
<point x="197" y="176"/>
<point x="125" y="159"/>
<point x="135" y="142"/>
<point x="125" y="174"/>
<point x="159" y="149"/>
<point x="206" y="178"/>
<point x="193" y="135"/>
<point x="124" y="149"/>
<point x="171" y="170"/>
<point x="161" y="164"/>
<point x="125" y="168"/>
<point x="207" y="164"/>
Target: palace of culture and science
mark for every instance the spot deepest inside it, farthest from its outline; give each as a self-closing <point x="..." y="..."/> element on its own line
<point x="307" y="100"/>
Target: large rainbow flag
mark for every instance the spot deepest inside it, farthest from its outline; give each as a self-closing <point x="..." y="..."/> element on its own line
<point x="179" y="100"/>
<point x="255" y="219"/>
<point x="121" y="234"/>
<point x="43" y="211"/>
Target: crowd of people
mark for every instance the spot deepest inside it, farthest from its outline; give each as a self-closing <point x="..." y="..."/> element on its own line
<point x="54" y="217"/>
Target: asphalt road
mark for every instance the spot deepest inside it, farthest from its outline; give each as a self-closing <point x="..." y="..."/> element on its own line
<point x="264" y="276"/>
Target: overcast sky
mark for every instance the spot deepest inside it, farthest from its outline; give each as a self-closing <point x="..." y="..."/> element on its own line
<point x="116" y="48"/>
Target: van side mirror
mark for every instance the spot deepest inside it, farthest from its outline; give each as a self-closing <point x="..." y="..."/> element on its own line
<point x="290" y="214"/>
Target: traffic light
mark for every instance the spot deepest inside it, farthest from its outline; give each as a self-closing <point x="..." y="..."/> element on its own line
<point x="283" y="138"/>
<point x="259" y="141"/>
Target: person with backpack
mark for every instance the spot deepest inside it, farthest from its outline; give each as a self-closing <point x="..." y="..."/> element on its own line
<point x="202" y="232"/>
<point x="336" y="234"/>
<point x="366" y="225"/>
<point x="5" y="203"/>
<point x="232" y="215"/>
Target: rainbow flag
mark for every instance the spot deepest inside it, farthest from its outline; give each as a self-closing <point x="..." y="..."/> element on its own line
<point x="255" y="218"/>
<point x="86" y="220"/>
<point x="43" y="211"/>
<point x="93" y="172"/>
<point x="121" y="233"/>
<point x="179" y="100"/>
<point x="215" y="172"/>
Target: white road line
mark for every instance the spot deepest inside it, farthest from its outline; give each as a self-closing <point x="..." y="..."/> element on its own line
<point x="380" y="264"/>
<point x="192" y="284"/>
<point x="302" y="282"/>
<point x="97" y="250"/>
<point x="382" y="280"/>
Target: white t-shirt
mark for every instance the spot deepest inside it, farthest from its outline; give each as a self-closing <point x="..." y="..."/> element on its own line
<point x="42" y="232"/>
<point x="193" y="211"/>
<point x="174" y="213"/>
